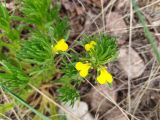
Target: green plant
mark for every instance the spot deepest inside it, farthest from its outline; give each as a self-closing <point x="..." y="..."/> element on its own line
<point x="68" y="93"/>
<point x="105" y="50"/>
<point x="13" y="77"/>
<point x="38" y="52"/>
<point x="99" y="50"/>
<point x="29" y="60"/>
<point x="44" y="53"/>
<point x="5" y="107"/>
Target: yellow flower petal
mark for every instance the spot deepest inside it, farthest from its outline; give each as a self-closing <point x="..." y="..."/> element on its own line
<point x="61" y="46"/>
<point x="83" y="73"/>
<point x="109" y="78"/>
<point x="90" y="46"/>
<point x="87" y="47"/>
<point x="82" y="68"/>
<point x="101" y="80"/>
<point x="104" y="76"/>
<point x="93" y="43"/>
<point x="79" y="65"/>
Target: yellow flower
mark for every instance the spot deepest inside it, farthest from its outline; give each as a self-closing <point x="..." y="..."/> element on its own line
<point x="90" y="46"/>
<point x="104" y="77"/>
<point x="82" y="68"/>
<point x="60" y="46"/>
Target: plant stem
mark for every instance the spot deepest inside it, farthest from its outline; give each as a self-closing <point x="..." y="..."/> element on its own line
<point x="24" y="103"/>
<point x="147" y="33"/>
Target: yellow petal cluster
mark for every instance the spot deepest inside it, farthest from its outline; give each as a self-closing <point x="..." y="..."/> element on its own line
<point x="90" y="46"/>
<point x="60" y="46"/>
<point x="82" y="68"/>
<point x="104" y="77"/>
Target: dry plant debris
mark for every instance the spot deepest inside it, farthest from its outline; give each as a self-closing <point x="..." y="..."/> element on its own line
<point x="137" y="65"/>
<point x="98" y="103"/>
<point x="116" y="27"/>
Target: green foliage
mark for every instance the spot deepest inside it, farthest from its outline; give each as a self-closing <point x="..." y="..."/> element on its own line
<point x="11" y="35"/>
<point x="25" y="103"/>
<point x="46" y="18"/>
<point x="31" y="59"/>
<point x="68" y="94"/>
<point x="5" y="21"/>
<point x="63" y="117"/>
<point x="37" y="51"/>
<point x="35" y="54"/>
<point x="105" y="50"/>
<point x="12" y="76"/>
<point x="35" y="60"/>
<point x="47" y="107"/>
<point x="5" y="107"/>
<point x="59" y="29"/>
<point x="70" y="79"/>
<point x="36" y="11"/>
<point x="4" y="18"/>
<point x="70" y="74"/>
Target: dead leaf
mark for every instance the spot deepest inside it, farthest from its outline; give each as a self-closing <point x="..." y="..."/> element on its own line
<point x="99" y="104"/>
<point x="80" y="10"/>
<point x="137" y="64"/>
<point x="123" y="5"/>
<point x="115" y="114"/>
<point x="116" y="26"/>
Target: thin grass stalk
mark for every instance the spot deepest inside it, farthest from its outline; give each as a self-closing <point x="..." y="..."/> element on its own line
<point x="24" y="103"/>
<point x="147" y="33"/>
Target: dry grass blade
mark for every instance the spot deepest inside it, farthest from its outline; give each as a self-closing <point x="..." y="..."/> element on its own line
<point x="7" y="100"/>
<point x="129" y="59"/>
<point x="124" y="112"/>
<point x="52" y="101"/>
<point x="5" y="116"/>
<point x="145" y="87"/>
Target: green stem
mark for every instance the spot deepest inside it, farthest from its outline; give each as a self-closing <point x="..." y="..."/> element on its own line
<point x="147" y="33"/>
<point x="24" y="103"/>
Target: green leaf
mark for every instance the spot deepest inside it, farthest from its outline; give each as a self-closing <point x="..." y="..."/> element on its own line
<point x="12" y="76"/>
<point x="68" y="94"/>
<point x="36" y="11"/>
<point x="104" y="51"/>
<point x="38" y="52"/>
<point x="4" y="19"/>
